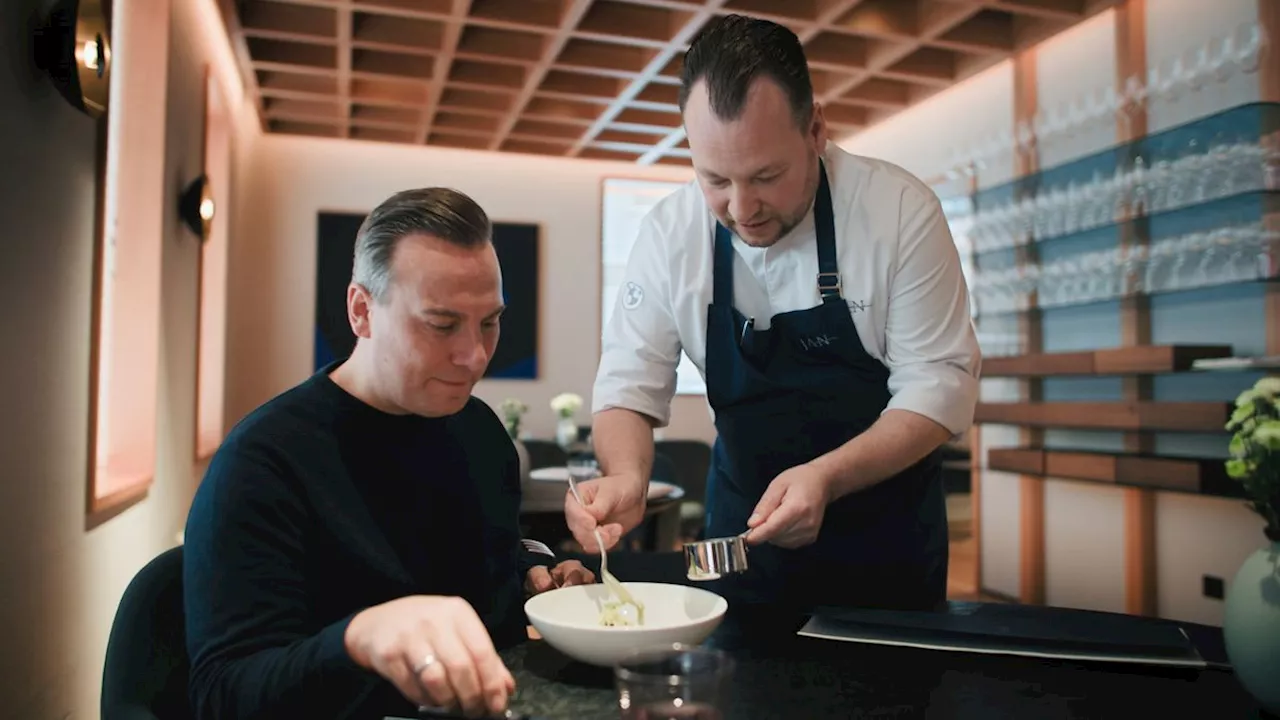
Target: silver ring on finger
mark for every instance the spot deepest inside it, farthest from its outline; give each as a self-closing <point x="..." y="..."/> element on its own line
<point x="427" y="661"/>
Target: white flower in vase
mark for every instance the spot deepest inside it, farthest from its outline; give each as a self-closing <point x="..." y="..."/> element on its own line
<point x="565" y="406"/>
<point x="1251" y="616"/>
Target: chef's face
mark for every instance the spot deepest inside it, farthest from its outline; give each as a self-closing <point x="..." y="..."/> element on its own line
<point x="434" y="332"/>
<point x="759" y="173"/>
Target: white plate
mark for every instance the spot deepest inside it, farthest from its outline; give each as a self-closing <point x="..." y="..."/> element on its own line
<point x="555" y="473"/>
<point x="546" y="496"/>
<point x="560" y="474"/>
<point x="657" y="488"/>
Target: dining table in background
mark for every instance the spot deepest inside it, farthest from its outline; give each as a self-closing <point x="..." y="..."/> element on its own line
<point x="542" y="511"/>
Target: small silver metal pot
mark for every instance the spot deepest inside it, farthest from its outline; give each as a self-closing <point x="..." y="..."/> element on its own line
<point x="710" y="559"/>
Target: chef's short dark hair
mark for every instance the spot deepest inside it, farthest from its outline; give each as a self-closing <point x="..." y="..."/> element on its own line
<point x="438" y="212"/>
<point x="732" y="51"/>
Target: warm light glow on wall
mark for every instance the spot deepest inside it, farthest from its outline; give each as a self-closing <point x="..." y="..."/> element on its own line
<point x="211" y="362"/>
<point x="127" y="312"/>
<point x="221" y="57"/>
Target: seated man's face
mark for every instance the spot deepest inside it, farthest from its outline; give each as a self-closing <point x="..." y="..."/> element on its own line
<point x="435" y="333"/>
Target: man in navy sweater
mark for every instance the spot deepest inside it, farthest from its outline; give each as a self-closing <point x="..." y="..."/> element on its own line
<point x="354" y="549"/>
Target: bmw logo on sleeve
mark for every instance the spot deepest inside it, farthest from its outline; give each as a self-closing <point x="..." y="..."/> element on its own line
<point x="632" y="296"/>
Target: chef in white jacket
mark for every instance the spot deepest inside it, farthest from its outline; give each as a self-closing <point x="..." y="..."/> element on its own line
<point x="820" y="295"/>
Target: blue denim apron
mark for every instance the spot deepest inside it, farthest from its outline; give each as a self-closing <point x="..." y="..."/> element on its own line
<point x="786" y="395"/>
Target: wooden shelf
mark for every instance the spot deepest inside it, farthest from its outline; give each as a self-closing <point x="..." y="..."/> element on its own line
<point x="1136" y="360"/>
<point x="1132" y="416"/>
<point x="1199" y="476"/>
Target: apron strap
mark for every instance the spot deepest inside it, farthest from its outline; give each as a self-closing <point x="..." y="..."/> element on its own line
<point x="825" y="227"/>
<point x="722" y="271"/>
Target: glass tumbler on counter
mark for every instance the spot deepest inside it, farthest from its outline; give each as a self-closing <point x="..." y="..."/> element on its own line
<point x="676" y="683"/>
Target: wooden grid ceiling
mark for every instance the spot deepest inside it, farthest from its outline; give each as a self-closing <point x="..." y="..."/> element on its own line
<point x="593" y="78"/>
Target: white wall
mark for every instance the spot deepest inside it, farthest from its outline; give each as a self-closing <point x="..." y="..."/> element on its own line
<point x="1083" y="522"/>
<point x="929" y="139"/>
<point x="1175" y="27"/>
<point x="272" y="264"/>
<point x="62" y="577"/>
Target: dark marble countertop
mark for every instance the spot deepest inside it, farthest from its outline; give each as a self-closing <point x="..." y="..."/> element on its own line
<point x="817" y="679"/>
<point x="782" y="675"/>
<point x="549" y="685"/>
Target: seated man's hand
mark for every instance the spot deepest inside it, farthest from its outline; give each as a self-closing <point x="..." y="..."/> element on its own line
<point x="569" y="572"/>
<point x="435" y="650"/>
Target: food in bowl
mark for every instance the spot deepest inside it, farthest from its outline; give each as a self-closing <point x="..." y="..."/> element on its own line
<point x="569" y="619"/>
<point x="614" y="613"/>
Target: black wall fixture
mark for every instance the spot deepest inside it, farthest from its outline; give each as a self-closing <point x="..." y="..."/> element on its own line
<point x="196" y="207"/>
<point x="73" y="47"/>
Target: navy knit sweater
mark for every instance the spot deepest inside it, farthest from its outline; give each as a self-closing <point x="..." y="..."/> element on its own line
<point x="318" y="506"/>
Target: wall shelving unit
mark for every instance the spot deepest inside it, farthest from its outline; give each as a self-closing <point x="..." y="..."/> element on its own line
<point x="1121" y="225"/>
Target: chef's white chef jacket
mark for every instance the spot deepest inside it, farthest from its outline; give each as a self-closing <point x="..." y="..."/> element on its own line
<point x="898" y="265"/>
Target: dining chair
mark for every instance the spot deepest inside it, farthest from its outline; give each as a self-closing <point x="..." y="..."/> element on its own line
<point x="690" y="462"/>
<point x="145" y="673"/>
<point x="544" y="453"/>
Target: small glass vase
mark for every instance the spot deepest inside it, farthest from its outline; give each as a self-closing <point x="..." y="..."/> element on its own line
<point x="566" y="433"/>
<point x="1251" y="625"/>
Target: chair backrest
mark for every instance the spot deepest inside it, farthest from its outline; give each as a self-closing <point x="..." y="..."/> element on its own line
<point x="664" y="469"/>
<point x="544" y="453"/>
<point x="145" y="674"/>
<point x="691" y="460"/>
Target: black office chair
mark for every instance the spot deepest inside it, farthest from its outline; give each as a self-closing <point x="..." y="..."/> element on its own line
<point x="145" y="676"/>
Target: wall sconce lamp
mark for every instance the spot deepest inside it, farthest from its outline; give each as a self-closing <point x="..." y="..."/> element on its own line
<point x="73" y="47"/>
<point x="196" y="207"/>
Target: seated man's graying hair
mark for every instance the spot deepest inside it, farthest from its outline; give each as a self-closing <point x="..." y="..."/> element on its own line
<point x="442" y="213"/>
<point x="732" y="51"/>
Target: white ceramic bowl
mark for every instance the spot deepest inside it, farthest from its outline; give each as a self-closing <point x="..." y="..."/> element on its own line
<point x="569" y="620"/>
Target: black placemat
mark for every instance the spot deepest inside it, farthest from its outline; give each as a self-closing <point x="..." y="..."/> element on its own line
<point x="1013" y="629"/>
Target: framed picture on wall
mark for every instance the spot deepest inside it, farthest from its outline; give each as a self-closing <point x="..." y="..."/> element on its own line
<point x="519" y="255"/>
<point x="624" y="203"/>
<point x="124" y="360"/>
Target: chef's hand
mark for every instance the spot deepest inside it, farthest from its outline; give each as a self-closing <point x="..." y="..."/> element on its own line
<point x="614" y="505"/>
<point x="790" y="513"/>
<point x="569" y="572"/>
<point x="436" y="652"/>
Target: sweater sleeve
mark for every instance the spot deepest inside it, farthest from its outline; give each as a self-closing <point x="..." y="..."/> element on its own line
<point x="255" y="650"/>
<point x="540" y="554"/>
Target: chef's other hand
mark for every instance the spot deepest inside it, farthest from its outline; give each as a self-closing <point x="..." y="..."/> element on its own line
<point x="614" y="505"/>
<point x="569" y="572"/>
<point x="436" y="652"/>
<point x="790" y="513"/>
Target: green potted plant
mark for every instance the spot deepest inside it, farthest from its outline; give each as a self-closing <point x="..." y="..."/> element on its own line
<point x="1251" y="623"/>
<point x="513" y="411"/>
